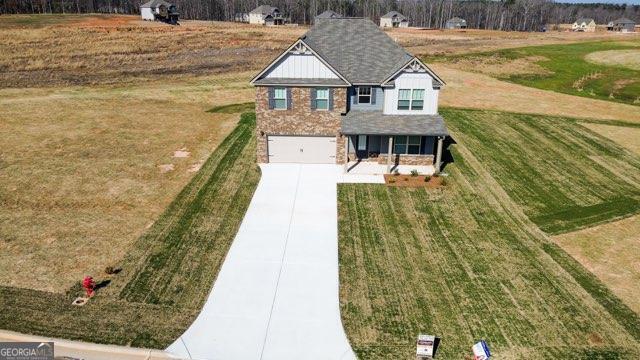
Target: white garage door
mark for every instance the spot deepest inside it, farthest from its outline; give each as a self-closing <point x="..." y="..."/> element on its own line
<point x="302" y="149"/>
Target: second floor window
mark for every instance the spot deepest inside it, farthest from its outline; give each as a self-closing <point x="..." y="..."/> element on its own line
<point x="364" y="95"/>
<point x="410" y="99"/>
<point x="322" y="99"/>
<point x="280" y="98"/>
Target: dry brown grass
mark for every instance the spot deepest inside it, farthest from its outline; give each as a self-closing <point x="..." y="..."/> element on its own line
<point x="81" y="173"/>
<point x="626" y="136"/>
<point x="625" y="58"/>
<point x="472" y="90"/>
<point x="612" y="252"/>
<point x="448" y="42"/>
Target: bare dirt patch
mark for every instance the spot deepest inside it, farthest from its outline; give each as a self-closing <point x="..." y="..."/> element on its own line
<point x="626" y="58"/>
<point x="611" y="251"/>
<point x="417" y="181"/>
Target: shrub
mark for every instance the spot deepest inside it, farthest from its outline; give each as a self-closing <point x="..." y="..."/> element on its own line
<point x="414" y="172"/>
<point x="427" y="178"/>
<point x="110" y="270"/>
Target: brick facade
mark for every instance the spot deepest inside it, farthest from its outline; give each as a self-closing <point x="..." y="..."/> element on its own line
<point x="405" y="159"/>
<point x="300" y="120"/>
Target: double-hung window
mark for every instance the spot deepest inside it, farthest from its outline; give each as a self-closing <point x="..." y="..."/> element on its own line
<point x="404" y="99"/>
<point x="322" y="99"/>
<point x="364" y="95"/>
<point x="417" y="99"/>
<point x="280" y="98"/>
<point x="406" y="145"/>
<point x="410" y="99"/>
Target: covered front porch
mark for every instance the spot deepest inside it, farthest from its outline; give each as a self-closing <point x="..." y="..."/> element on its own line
<point x="380" y="144"/>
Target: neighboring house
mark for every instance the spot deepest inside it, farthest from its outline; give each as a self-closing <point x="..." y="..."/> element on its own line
<point x="345" y="92"/>
<point x="394" y="19"/>
<point x="622" y="25"/>
<point x="329" y="14"/>
<point x="456" y="23"/>
<point x="159" y="10"/>
<point x="266" y="15"/>
<point x="584" y="25"/>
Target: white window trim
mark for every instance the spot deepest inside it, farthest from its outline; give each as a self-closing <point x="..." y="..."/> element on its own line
<point x="411" y="99"/>
<point x="286" y="101"/>
<point x="318" y="98"/>
<point x="362" y="145"/>
<point x="367" y="95"/>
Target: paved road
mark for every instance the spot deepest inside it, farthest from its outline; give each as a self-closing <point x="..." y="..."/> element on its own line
<point x="276" y="296"/>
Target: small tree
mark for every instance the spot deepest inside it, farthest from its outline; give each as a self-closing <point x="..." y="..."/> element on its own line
<point x="89" y="285"/>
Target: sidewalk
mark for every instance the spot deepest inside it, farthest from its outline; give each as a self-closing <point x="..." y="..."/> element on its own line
<point x="88" y="351"/>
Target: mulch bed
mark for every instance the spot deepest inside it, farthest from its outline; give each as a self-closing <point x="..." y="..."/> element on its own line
<point x="413" y="181"/>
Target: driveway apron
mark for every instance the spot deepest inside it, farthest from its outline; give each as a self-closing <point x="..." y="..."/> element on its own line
<point x="276" y="296"/>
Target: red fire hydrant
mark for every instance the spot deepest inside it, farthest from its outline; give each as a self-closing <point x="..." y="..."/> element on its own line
<point x="89" y="285"/>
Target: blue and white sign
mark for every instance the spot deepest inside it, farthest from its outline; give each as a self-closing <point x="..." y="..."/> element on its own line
<point x="481" y="351"/>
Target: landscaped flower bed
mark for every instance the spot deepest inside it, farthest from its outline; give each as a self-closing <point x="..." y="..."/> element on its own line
<point x="414" y="180"/>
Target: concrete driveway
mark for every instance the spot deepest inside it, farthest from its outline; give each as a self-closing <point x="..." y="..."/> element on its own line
<point x="276" y="296"/>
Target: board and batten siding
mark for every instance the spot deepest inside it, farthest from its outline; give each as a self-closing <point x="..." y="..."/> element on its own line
<point x="412" y="81"/>
<point x="299" y="66"/>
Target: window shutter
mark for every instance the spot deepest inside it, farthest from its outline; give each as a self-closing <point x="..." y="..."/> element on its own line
<point x="313" y="98"/>
<point x="271" y="91"/>
<point x="330" y="99"/>
<point x="355" y="97"/>
<point x="289" y="99"/>
<point x="373" y="95"/>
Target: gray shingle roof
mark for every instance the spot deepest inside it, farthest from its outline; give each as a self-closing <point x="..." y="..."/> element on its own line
<point x="457" y="20"/>
<point x="624" y="21"/>
<point x="376" y="123"/>
<point x="302" y="82"/>
<point x="329" y="14"/>
<point x="155" y="4"/>
<point x="391" y="14"/>
<point x="264" y="10"/>
<point x="357" y="49"/>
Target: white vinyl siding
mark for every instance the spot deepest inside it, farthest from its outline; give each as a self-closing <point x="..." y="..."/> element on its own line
<point x="301" y="66"/>
<point x="410" y="81"/>
<point x="322" y="99"/>
<point x="280" y="98"/>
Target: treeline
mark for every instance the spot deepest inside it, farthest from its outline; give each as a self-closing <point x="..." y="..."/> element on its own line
<point x="522" y="15"/>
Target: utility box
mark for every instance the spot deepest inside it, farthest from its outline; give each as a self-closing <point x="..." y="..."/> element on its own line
<point x="424" y="347"/>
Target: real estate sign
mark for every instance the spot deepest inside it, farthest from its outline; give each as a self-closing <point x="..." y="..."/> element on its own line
<point x="424" y="347"/>
<point x="481" y="350"/>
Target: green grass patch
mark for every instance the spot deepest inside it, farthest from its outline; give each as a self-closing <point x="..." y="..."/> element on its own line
<point x="569" y="72"/>
<point x="233" y="108"/>
<point x="167" y="274"/>
<point x="563" y="175"/>
<point x="464" y="265"/>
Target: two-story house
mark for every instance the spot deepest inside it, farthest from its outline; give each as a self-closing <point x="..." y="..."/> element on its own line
<point x="346" y="93"/>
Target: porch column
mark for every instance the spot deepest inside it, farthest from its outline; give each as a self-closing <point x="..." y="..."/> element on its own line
<point x="439" y="155"/>
<point x="389" y="154"/>
<point x="346" y="153"/>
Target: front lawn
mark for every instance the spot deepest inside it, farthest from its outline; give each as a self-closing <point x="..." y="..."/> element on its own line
<point x="563" y="175"/>
<point x="466" y="264"/>
<point x="169" y="271"/>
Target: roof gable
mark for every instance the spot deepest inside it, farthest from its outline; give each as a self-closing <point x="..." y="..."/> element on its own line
<point x="416" y="66"/>
<point x="300" y="55"/>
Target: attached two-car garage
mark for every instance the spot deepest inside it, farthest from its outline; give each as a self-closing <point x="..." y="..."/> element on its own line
<point x="302" y="149"/>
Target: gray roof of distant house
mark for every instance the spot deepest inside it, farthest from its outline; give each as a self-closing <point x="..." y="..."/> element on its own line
<point x="392" y="14"/>
<point x="376" y="123"/>
<point x="155" y="4"/>
<point x="357" y="49"/>
<point x="623" y="21"/>
<point x="264" y="10"/>
<point x="300" y="82"/>
<point x="328" y="14"/>
<point x="456" y="20"/>
<point x="584" y="20"/>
